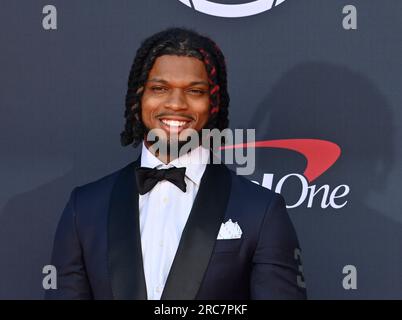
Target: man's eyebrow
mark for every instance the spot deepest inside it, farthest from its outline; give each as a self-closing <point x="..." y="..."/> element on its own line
<point x="193" y="83"/>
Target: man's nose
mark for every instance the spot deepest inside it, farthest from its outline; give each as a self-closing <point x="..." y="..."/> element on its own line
<point x="176" y="100"/>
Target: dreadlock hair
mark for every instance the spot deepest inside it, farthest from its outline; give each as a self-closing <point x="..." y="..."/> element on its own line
<point x="180" y="42"/>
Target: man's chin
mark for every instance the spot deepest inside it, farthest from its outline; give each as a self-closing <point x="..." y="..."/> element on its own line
<point x="167" y="144"/>
<point x="166" y="137"/>
<point x="172" y="143"/>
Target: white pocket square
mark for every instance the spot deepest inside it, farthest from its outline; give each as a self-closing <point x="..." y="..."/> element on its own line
<point x="229" y="230"/>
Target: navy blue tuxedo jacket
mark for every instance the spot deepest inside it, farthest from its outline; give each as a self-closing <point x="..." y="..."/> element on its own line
<point x="97" y="247"/>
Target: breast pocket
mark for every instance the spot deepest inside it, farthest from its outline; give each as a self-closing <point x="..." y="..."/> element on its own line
<point x="227" y="245"/>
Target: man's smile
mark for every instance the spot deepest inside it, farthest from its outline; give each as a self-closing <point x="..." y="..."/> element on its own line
<point x="174" y="124"/>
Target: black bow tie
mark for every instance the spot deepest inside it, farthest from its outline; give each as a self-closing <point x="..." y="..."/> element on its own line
<point x="147" y="178"/>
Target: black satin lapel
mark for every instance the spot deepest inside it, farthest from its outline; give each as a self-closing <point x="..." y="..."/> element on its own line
<point x="124" y="240"/>
<point x="199" y="235"/>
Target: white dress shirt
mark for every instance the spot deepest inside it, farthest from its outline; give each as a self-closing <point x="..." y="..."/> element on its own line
<point x="163" y="214"/>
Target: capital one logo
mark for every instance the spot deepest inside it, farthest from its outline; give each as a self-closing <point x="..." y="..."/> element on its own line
<point x="320" y="156"/>
<point x="245" y="9"/>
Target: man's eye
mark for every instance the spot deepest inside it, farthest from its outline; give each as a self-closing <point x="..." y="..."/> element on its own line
<point x="158" y="89"/>
<point x="197" y="91"/>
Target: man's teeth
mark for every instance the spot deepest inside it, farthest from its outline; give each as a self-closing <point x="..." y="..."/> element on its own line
<point x="174" y="123"/>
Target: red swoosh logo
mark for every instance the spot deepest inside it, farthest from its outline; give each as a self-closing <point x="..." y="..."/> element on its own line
<point x="320" y="154"/>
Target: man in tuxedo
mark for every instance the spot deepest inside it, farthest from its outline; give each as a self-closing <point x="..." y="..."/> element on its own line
<point x="167" y="227"/>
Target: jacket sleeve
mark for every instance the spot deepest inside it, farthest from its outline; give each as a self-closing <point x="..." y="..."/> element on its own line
<point x="67" y="257"/>
<point x="276" y="270"/>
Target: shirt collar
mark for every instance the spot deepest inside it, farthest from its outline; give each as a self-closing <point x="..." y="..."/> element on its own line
<point x="194" y="161"/>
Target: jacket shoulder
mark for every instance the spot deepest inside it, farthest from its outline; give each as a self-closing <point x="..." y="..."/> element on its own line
<point x="252" y="190"/>
<point x="101" y="184"/>
<point x="96" y="194"/>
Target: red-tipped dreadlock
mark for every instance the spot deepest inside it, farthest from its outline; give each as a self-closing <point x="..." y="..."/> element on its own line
<point x="214" y="88"/>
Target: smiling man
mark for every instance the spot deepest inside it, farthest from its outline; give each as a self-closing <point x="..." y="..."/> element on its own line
<point x="175" y="227"/>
